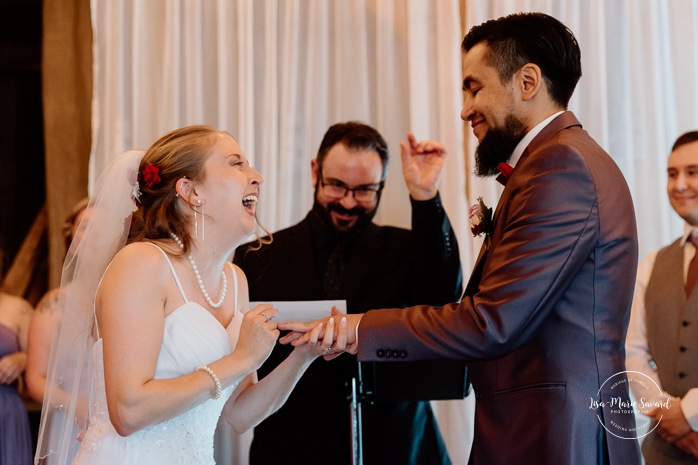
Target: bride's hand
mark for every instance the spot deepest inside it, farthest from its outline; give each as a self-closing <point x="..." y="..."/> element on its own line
<point x="258" y="334"/>
<point x="325" y="347"/>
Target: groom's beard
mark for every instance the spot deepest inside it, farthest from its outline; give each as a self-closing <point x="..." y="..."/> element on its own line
<point x="497" y="145"/>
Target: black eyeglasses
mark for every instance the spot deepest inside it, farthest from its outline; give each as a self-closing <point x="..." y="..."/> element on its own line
<point x="337" y="190"/>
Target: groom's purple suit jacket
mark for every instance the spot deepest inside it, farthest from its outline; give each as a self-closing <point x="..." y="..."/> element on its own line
<point x="543" y="319"/>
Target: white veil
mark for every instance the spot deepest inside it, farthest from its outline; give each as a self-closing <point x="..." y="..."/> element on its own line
<point x="65" y="412"/>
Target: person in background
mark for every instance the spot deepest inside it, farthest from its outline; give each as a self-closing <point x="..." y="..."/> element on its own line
<point x="153" y="303"/>
<point x="337" y="252"/>
<point x="15" y="435"/>
<point x="543" y="319"/>
<point x="47" y="316"/>
<point x="662" y="342"/>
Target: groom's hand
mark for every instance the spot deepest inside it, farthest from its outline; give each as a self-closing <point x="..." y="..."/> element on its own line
<point x="300" y="331"/>
<point x="299" y="328"/>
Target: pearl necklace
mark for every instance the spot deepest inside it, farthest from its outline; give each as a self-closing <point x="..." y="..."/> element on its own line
<point x="224" y="286"/>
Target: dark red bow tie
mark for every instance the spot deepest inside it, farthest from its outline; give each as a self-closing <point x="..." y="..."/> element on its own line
<point x="505" y="171"/>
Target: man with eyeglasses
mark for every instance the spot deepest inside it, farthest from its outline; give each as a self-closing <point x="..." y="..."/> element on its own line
<point x="337" y="252"/>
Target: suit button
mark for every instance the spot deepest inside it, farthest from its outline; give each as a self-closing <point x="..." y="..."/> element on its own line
<point x="380" y="353"/>
<point x="395" y="354"/>
<point x="682" y="375"/>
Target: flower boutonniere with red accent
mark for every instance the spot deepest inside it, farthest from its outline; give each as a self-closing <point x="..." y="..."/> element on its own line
<point x="480" y="217"/>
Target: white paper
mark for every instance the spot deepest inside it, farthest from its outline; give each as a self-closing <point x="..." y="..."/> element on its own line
<point x="306" y="310"/>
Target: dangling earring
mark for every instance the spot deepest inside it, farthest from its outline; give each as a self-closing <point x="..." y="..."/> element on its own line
<point x="203" y="222"/>
<point x="199" y="204"/>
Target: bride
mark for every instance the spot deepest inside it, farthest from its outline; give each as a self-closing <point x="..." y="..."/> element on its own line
<point x="162" y="324"/>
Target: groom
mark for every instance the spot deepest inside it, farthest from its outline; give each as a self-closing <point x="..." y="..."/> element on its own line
<point x="544" y="315"/>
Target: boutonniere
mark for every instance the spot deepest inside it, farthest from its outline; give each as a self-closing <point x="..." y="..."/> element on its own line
<point x="480" y="217"/>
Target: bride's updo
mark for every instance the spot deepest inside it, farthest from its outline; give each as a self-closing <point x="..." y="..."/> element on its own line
<point x="178" y="154"/>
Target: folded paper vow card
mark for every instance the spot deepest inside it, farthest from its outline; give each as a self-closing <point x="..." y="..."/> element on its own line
<point x="306" y="310"/>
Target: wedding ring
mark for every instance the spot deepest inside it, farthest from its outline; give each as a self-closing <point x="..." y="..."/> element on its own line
<point x="326" y="349"/>
<point x="264" y="314"/>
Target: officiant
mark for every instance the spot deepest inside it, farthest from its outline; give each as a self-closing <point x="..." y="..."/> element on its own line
<point x="338" y="252"/>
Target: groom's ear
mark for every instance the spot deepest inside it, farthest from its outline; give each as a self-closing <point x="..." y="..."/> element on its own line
<point x="529" y="81"/>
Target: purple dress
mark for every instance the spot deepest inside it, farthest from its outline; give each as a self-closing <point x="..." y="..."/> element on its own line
<point x="15" y="436"/>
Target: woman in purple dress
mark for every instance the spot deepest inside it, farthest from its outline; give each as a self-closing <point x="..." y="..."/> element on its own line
<point x="15" y="436"/>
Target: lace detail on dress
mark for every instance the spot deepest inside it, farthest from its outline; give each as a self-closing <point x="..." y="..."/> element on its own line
<point x="187" y="438"/>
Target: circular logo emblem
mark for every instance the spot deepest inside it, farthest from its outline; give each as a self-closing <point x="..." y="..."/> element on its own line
<point x="622" y="414"/>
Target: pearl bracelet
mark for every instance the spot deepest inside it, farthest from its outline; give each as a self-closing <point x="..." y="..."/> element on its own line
<point x="219" y="389"/>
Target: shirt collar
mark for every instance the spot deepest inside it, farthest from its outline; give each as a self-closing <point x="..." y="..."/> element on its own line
<point x="688" y="229"/>
<point x="521" y="146"/>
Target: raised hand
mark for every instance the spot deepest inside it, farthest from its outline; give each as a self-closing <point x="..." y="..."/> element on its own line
<point x="422" y="166"/>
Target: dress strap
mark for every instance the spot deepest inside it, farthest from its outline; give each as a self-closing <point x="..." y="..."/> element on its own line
<point x="174" y="273"/>
<point x="235" y="286"/>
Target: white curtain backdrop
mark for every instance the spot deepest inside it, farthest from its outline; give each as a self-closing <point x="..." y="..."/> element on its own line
<point x="276" y="74"/>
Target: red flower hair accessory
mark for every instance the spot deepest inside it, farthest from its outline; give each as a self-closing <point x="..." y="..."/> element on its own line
<point x="151" y="176"/>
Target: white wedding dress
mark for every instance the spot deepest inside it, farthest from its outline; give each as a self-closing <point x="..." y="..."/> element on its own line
<point x="192" y="337"/>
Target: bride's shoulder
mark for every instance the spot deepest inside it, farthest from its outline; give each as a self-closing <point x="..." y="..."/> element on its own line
<point x="146" y="250"/>
<point x="139" y="270"/>
<point x="140" y="257"/>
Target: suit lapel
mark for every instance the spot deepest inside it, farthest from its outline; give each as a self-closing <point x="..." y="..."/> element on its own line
<point x="562" y="121"/>
<point x="475" y="275"/>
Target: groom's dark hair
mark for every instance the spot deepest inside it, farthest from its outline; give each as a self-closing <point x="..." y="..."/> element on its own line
<point x="521" y="38"/>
